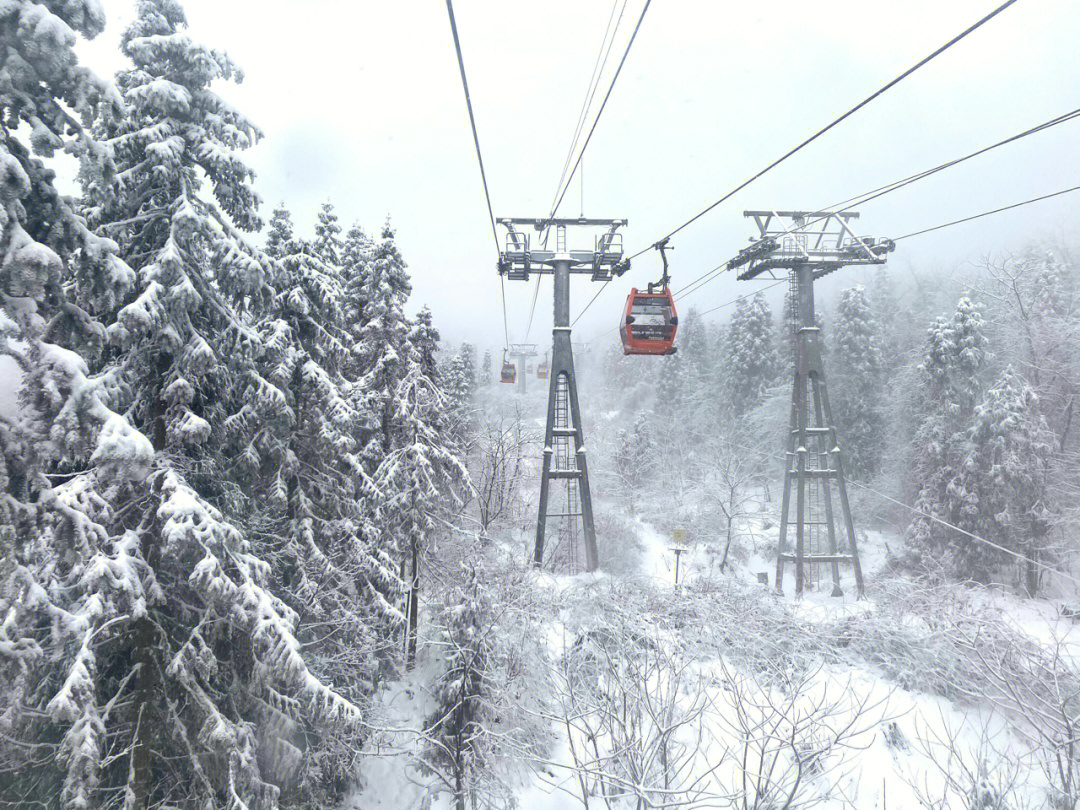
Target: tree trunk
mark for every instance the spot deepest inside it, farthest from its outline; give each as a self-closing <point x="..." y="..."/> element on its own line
<point x="727" y="546"/>
<point x="145" y="698"/>
<point x="1031" y="574"/>
<point x="414" y="600"/>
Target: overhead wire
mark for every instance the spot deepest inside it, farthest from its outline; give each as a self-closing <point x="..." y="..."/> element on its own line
<point x="881" y="191"/>
<point x="970" y="29"/>
<point x="888" y="188"/>
<point x="600" y="112"/>
<point x="897" y="239"/>
<point x="809" y="140"/>
<point x="590" y="92"/>
<point x="586" y="104"/>
<point x="479" y="156"/>
<point x="744" y="296"/>
<point x="987" y="213"/>
<point x="532" y="309"/>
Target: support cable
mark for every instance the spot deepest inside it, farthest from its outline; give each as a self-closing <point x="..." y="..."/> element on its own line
<point x="586" y="105"/>
<point x="744" y="296"/>
<point x="600" y="112"/>
<point x="479" y="156"/>
<point x="506" y="329"/>
<point x="881" y="191"/>
<point x="590" y="91"/>
<point x="987" y="213"/>
<point x="532" y="309"/>
<point x="837" y="121"/>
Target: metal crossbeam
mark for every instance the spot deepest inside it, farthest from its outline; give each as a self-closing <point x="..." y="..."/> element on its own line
<point x="822" y="239"/>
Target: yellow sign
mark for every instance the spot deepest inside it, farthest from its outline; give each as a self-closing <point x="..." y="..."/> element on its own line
<point x="679" y="536"/>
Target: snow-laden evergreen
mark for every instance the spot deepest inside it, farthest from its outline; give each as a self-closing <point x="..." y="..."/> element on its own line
<point x="855" y="374"/>
<point x="950" y="378"/>
<point x="752" y="356"/>
<point x="318" y="506"/>
<point x="486" y="368"/>
<point x="153" y="661"/>
<point x="375" y="300"/>
<point x="422" y="477"/>
<point x="328" y="244"/>
<point x="187" y="338"/>
<point x="1000" y="492"/>
<point x="457" y="728"/>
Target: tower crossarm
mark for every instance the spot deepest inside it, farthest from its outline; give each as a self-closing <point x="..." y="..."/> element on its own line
<point x="603" y="260"/>
<point x="823" y="240"/>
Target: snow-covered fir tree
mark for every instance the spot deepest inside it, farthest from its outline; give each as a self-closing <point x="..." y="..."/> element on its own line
<point x="950" y="377"/>
<point x="187" y="340"/>
<point x="355" y="259"/>
<point x="404" y="430"/>
<point x="1000" y="492"/>
<point x="486" y="368"/>
<point x="695" y="372"/>
<point x="468" y="357"/>
<point x="49" y="102"/>
<point x="752" y="357"/>
<point x="316" y="505"/>
<point x="421" y="477"/>
<point x="147" y="659"/>
<point x="328" y="244"/>
<point x="856" y="376"/>
<point x="635" y="456"/>
<point x="375" y="301"/>
<point x="454" y="375"/>
<point x="424" y="338"/>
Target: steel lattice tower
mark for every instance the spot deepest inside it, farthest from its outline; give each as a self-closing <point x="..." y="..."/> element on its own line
<point x="809" y="245"/>
<point x="564" y="458"/>
<point x="522" y="352"/>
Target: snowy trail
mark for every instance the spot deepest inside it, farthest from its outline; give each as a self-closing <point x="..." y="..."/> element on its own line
<point x="389" y="772"/>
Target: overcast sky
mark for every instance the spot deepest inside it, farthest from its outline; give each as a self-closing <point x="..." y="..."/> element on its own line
<point x="361" y="103"/>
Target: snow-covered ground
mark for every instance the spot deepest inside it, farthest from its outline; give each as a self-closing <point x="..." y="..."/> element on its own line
<point x="895" y="743"/>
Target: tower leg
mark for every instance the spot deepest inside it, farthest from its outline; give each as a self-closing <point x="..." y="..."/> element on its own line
<point x="562" y="368"/>
<point x="841" y="485"/>
<point x="830" y="523"/>
<point x="545" y="472"/>
<point x="805" y="328"/>
<point x="588" y="527"/>
<point x="785" y="502"/>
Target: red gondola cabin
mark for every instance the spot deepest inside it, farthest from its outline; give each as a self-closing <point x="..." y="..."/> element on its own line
<point x="508" y="374"/>
<point x="649" y="323"/>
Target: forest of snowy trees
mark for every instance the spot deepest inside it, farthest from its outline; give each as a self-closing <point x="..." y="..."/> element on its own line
<point x="265" y="541"/>
<point x="226" y="459"/>
<point x="956" y="400"/>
